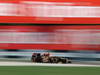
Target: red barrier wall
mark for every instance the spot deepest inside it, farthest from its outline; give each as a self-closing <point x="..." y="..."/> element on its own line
<point x="50" y="37"/>
<point x="78" y="37"/>
<point x="52" y="11"/>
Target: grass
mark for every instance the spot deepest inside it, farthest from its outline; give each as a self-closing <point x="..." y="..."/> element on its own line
<point x="37" y="70"/>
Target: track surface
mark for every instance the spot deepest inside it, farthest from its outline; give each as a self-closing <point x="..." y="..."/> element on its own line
<point x="3" y="63"/>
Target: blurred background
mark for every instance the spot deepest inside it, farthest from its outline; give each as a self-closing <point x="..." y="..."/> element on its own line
<point x="70" y="30"/>
<point x="25" y="55"/>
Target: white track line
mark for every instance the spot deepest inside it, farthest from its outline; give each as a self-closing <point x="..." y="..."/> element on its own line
<point x="44" y="64"/>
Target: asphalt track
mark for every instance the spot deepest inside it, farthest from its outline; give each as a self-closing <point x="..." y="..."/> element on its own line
<point x="5" y="63"/>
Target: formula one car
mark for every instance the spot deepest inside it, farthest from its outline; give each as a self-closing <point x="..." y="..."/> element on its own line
<point x="46" y="58"/>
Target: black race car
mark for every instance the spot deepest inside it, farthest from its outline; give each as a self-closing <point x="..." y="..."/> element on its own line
<point x="46" y="58"/>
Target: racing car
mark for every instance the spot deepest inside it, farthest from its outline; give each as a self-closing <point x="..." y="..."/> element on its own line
<point x="46" y="58"/>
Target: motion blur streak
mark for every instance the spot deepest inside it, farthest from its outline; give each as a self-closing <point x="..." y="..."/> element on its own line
<point x="51" y="37"/>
